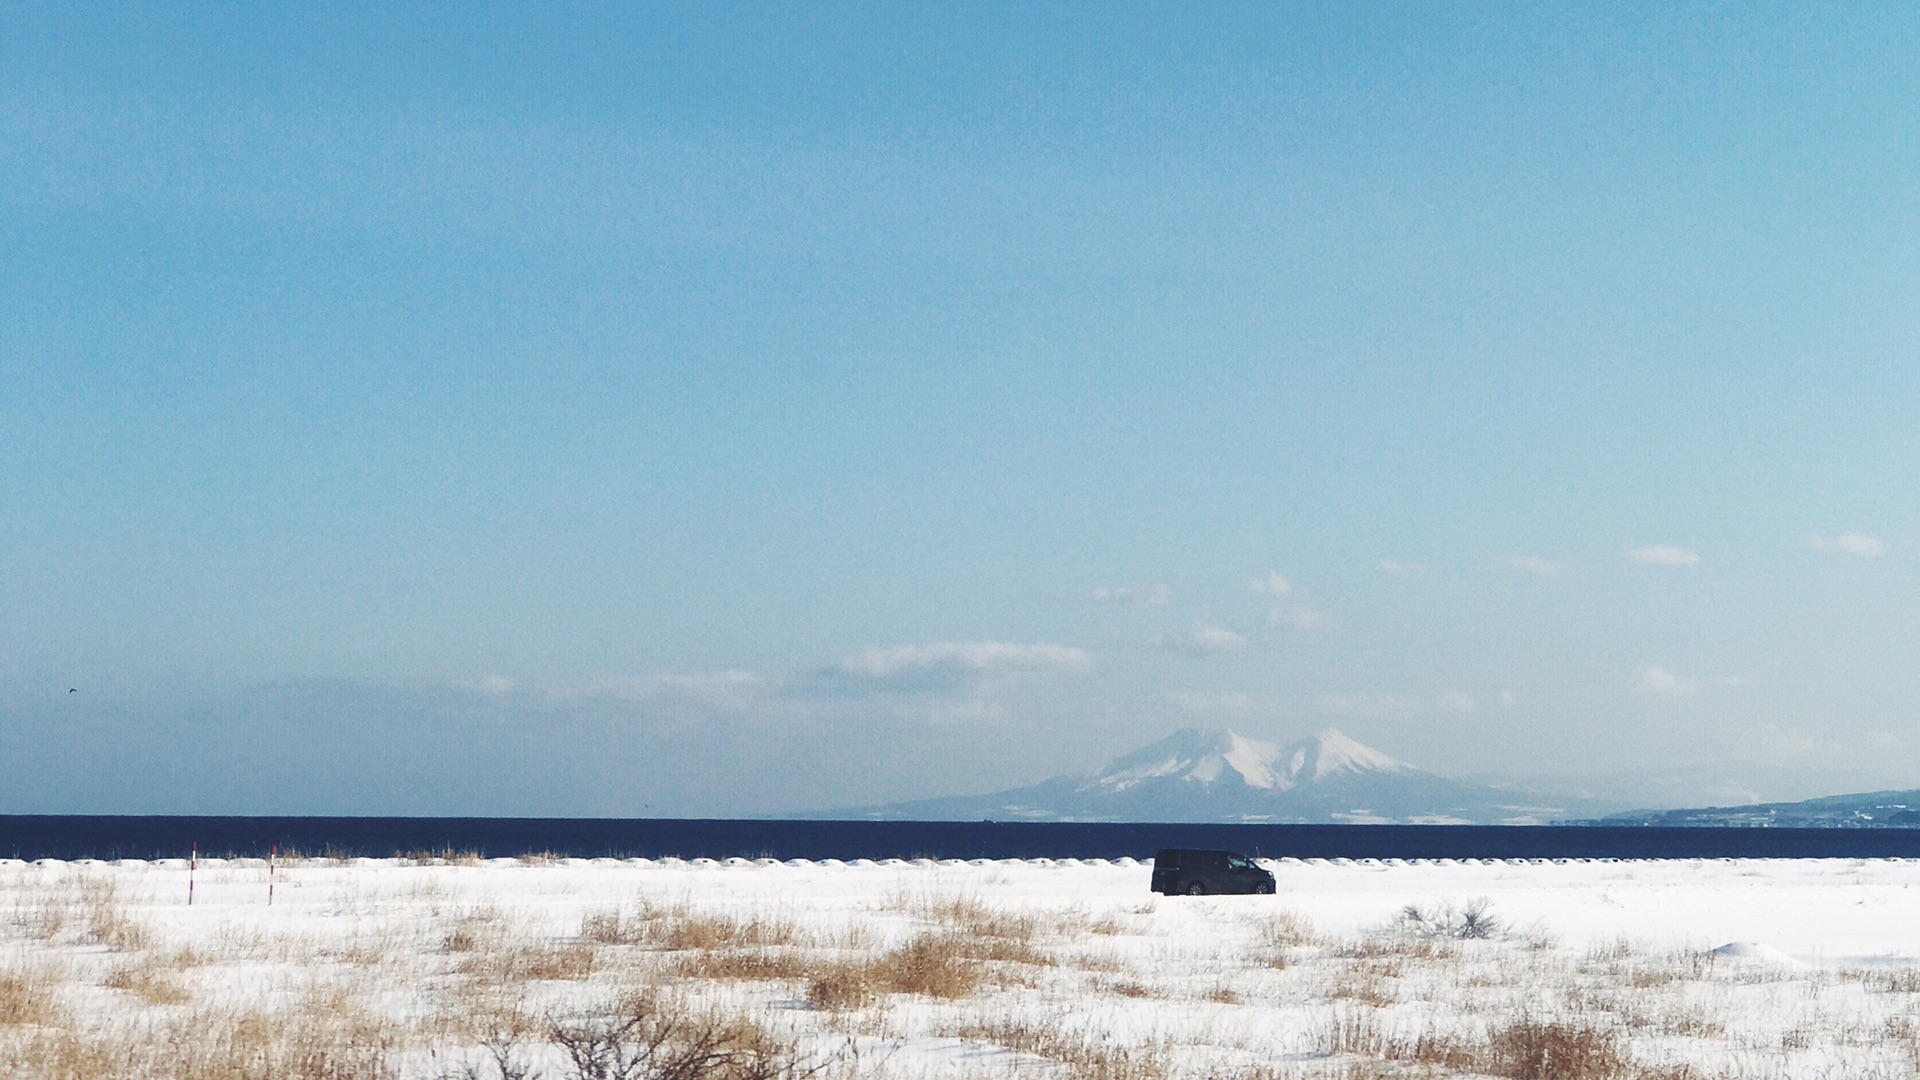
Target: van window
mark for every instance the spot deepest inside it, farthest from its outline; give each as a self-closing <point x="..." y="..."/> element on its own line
<point x="1237" y="863"/>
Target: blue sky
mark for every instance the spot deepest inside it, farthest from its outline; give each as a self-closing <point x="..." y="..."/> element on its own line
<point x="924" y="390"/>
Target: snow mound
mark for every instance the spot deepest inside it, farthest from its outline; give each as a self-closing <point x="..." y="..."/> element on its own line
<point x="1755" y="953"/>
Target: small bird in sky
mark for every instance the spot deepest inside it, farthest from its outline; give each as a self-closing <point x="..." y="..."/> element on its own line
<point x="72" y="690"/>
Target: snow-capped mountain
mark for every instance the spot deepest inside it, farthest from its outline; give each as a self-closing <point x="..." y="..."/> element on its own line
<point x="1218" y="775"/>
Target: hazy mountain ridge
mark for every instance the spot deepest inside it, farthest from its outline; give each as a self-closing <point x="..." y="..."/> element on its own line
<point x="1863" y="810"/>
<point x="1216" y="775"/>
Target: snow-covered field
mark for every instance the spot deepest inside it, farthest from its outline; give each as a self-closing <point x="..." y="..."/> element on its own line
<point x="991" y="968"/>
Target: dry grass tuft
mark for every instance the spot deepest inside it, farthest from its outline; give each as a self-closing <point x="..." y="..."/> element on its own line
<point x="148" y="985"/>
<point x="1529" y="1049"/>
<point x="521" y="961"/>
<point x="932" y="965"/>
<point x="680" y="929"/>
<point x="967" y="915"/>
<point x="443" y="857"/>
<point x="1222" y="995"/>
<point x="1421" y="949"/>
<point x="1081" y="1056"/>
<point x="1130" y="988"/>
<point x="1892" y="980"/>
<point x="1365" y="989"/>
<point x="1288" y="930"/>
<point x="25" y="998"/>
<point x="322" y="1041"/>
<point x="843" y="987"/>
<point x="1438" y="1052"/>
<point x="1351" y="1031"/>
<point x="107" y="921"/>
<point x="741" y="965"/>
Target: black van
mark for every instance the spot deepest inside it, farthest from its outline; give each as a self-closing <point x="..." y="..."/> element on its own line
<point x="1178" y="870"/>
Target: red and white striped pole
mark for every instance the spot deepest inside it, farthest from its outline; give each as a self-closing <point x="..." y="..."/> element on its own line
<point x="193" y="863"/>
<point x="273" y="850"/>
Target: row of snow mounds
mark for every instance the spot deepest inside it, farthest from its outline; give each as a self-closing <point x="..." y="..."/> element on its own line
<point x="668" y="862"/>
<point x="766" y="862"/>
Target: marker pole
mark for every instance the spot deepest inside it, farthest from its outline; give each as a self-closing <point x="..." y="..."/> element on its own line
<point x="273" y="850"/>
<point x="193" y="863"/>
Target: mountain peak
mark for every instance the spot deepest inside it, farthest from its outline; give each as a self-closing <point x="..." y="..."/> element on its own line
<point x="1218" y="755"/>
<point x="1214" y="774"/>
<point x="1330" y="753"/>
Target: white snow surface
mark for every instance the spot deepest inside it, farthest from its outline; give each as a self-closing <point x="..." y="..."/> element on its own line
<point x="1774" y="955"/>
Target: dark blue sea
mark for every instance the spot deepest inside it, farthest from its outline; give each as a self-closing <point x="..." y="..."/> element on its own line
<point x="78" y="837"/>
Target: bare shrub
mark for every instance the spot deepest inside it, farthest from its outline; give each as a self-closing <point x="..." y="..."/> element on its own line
<point x="1222" y="995"/>
<point x="1529" y="1049"/>
<point x="646" y="1037"/>
<point x="1472" y="922"/>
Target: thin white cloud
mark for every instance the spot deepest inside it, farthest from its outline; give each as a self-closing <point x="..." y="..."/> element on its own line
<point x="1156" y="595"/>
<point x="876" y="662"/>
<point x="1274" y="584"/>
<point x="1535" y="565"/>
<point x="1506" y="699"/>
<point x="1454" y="701"/>
<point x="1369" y="704"/>
<point x="497" y="684"/>
<point x="1664" y="555"/>
<point x="1659" y="682"/>
<point x="1235" y="704"/>
<point x="1208" y="639"/>
<point x="1396" y="568"/>
<point x="725" y="687"/>
<point x="1855" y="544"/>
<point x="1297" y="616"/>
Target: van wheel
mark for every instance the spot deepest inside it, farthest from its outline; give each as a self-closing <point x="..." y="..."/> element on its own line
<point x="1265" y="888"/>
<point x="1196" y="889"/>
